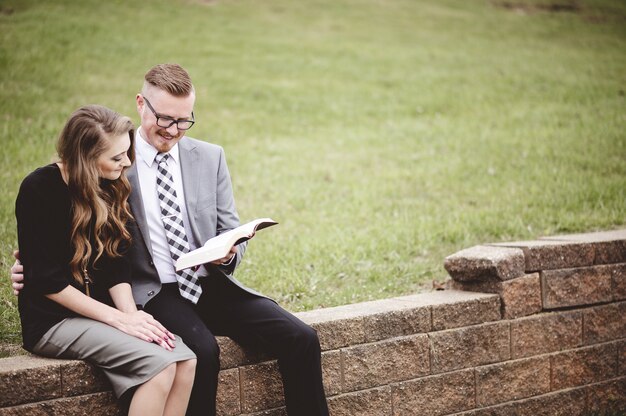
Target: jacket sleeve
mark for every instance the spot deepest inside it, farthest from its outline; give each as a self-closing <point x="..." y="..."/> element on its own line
<point x="227" y="217"/>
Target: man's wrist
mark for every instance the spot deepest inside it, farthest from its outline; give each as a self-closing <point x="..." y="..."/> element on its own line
<point x="229" y="262"/>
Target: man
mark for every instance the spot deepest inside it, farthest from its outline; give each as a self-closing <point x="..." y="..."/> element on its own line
<point x="182" y="196"/>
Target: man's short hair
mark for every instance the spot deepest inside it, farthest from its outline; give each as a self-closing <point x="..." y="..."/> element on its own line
<point x="171" y="78"/>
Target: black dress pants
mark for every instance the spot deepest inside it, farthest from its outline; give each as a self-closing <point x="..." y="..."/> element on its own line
<point x="256" y="322"/>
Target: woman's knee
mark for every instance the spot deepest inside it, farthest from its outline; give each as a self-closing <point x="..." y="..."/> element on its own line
<point x="165" y="378"/>
<point x="186" y="370"/>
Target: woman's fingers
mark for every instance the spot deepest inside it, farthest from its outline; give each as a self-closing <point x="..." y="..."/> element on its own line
<point x="142" y="325"/>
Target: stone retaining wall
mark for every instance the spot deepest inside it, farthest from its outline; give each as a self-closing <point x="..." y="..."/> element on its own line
<point x="524" y="328"/>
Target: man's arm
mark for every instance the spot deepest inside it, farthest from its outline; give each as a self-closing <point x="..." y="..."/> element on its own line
<point x="227" y="217"/>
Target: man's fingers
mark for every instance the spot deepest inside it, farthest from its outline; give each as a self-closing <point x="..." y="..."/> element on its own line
<point x="16" y="271"/>
<point x="16" y="254"/>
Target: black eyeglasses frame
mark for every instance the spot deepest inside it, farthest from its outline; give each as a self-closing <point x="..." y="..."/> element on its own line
<point x="170" y="120"/>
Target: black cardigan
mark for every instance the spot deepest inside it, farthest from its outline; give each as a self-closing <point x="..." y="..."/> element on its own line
<point x="43" y="212"/>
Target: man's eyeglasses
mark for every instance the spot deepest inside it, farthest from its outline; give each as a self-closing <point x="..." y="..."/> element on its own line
<point x="167" y="122"/>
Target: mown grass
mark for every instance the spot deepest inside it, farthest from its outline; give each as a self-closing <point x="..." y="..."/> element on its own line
<point x="382" y="135"/>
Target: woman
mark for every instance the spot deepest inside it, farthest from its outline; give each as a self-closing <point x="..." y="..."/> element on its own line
<point x="77" y="302"/>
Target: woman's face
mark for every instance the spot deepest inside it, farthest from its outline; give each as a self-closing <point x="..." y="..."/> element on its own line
<point x="113" y="161"/>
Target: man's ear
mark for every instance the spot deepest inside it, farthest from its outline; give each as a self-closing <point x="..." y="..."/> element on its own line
<point x="140" y="103"/>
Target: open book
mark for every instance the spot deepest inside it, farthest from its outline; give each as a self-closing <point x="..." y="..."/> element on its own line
<point x="219" y="246"/>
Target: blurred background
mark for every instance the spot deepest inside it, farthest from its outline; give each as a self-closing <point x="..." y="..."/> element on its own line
<point x="382" y="135"/>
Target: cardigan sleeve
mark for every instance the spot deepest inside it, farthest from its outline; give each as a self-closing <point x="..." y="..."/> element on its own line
<point x="43" y="240"/>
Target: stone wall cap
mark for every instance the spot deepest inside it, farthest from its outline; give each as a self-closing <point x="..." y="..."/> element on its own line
<point x="375" y="307"/>
<point x="535" y="243"/>
<point x="595" y="237"/>
<point x="486" y="262"/>
<point x="441" y="297"/>
<point x="26" y="362"/>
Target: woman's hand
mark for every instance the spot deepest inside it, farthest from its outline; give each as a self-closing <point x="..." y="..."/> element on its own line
<point x="137" y="323"/>
<point x="130" y="321"/>
<point x="143" y="326"/>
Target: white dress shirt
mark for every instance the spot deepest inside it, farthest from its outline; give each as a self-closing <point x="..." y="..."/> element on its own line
<point x="147" y="174"/>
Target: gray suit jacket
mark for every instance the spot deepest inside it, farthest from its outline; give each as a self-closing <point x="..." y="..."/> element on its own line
<point x="210" y="207"/>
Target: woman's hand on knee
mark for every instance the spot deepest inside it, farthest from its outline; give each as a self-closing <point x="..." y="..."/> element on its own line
<point x="143" y="326"/>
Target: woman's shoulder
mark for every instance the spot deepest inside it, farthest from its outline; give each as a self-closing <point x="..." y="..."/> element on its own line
<point x="43" y="176"/>
<point x="44" y="180"/>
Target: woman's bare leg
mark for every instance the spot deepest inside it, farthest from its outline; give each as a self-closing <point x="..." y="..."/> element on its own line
<point x="178" y="398"/>
<point x="151" y="396"/>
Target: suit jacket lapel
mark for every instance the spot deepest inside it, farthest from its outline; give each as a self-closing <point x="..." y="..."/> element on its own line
<point x="136" y="205"/>
<point x="189" y="169"/>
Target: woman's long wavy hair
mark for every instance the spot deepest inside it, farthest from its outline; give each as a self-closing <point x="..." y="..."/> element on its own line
<point x="100" y="207"/>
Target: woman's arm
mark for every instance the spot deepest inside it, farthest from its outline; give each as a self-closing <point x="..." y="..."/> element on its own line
<point x="122" y="296"/>
<point x="132" y="322"/>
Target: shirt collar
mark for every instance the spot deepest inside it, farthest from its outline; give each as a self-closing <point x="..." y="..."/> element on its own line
<point x="146" y="152"/>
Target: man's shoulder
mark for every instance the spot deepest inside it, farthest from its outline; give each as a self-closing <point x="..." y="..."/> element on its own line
<point x="195" y="144"/>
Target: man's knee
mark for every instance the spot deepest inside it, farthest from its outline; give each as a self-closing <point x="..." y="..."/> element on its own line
<point x="307" y="339"/>
<point x="207" y="352"/>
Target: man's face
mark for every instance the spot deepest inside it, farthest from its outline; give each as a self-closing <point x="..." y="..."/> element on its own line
<point x="167" y="106"/>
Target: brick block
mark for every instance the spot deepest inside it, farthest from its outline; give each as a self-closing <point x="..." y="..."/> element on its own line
<point x="575" y="287"/>
<point x="512" y="380"/>
<point x="610" y="252"/>
<point x="373" y="402"/>
<point x="401" y="318"/>
<point x="481" y="263"/>
<point x="435" y="395"/>
<point x="584" y="366"/>
<point x="447" y="307"/>
<point x="17" y="375"/>
<point x="604" y="323"/>
<point x="79" y="377"/>
<point x="380" y="363"/>
<point x="565" y="403"/>
<point x="340" y="333"/>
<point x="465" y="312"/>
<point x="280" y="411"/>
<point x="467" y="347"/>
<point x="551" y="255"/>
<point x="618" y="283"/>
<point x="336" y="327"/>
<point x="331" y="372"/>
<point x="609" y="246"/>
<point x="519" y="297"/>
<point x="622" y="357"/>
<point x="95" y="404"/>
<point x="261" y="387"/>
<point x="546" y="333"/>
<point x="607" y="398"/>
<point x="228" y="393"/>
<point x="370" y="321"/>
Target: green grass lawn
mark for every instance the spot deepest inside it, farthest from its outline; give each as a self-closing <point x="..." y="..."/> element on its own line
<point x="382" y="135"/>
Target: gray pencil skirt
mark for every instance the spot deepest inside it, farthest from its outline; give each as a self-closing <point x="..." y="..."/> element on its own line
<point x="127" y="361"/>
